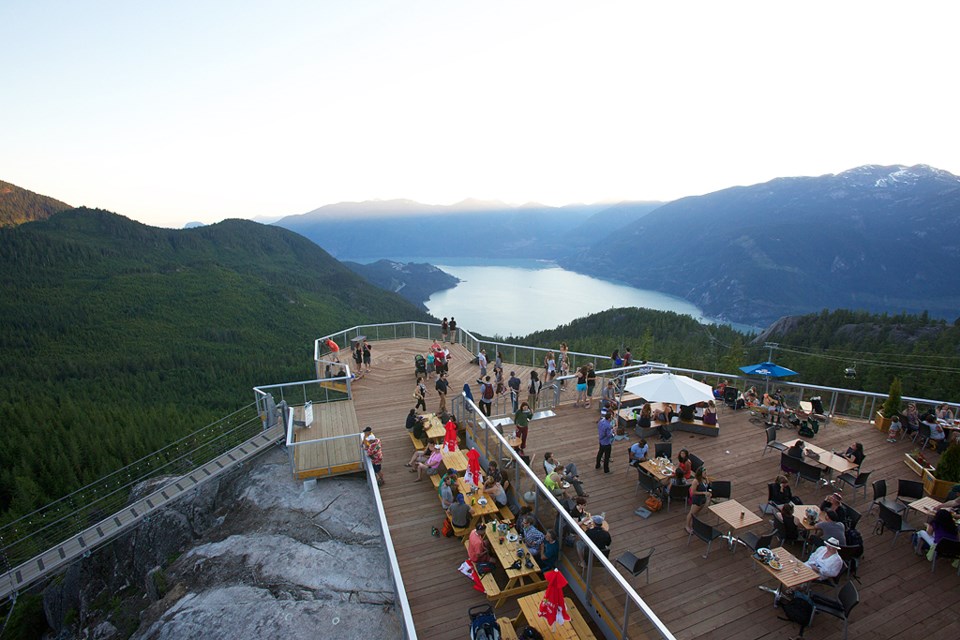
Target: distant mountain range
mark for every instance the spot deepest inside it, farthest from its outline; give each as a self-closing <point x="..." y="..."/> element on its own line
<point x="883" y="239"/>
<point x="472" y="228"/>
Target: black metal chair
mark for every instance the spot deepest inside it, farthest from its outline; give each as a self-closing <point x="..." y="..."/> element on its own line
<point x="908" y="491"/>
<point x="781" y="533"/>
<point x="753" y="542"/>
<point x="894" y="521"/>
<point x="880" y="498"/>
<point x="839" y="607"/>
<point x="923" y="434"/>
<point x="858" y="481"/>
<point x="851" y="516"/>
<point x="789" y="464"/>
<point x="705" y="532"/>
<point x="809" y="472"/>
<point x="772" y="441"/>
<point x="770" y="507"/>
<point x="647" y="482"/>
<point x="948" y="549"/>
<point x="721" y="490"/>
<point x="813" y="541"/>
<point x="695" y="463"/>
<point x="678" y="492"/>
<point x="852" y="554"/>
<point x="636" y="565"/>
<point x="663" y="450"/>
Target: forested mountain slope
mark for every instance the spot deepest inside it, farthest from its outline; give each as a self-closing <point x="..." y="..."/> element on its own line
<point x="881" y="239"/>
<point x="19" y="205"/>
<point x="116" y="338"/>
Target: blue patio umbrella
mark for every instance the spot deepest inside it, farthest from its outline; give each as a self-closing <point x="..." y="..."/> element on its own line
<point x="768" y="370"/>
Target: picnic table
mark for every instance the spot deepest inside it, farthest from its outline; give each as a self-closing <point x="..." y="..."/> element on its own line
<point x="519" y="581"/>
<point x="577" y="627"/>
<point x="454" y="459"/>
<point x="481" y="512"/>
<point x="433" y="428"/>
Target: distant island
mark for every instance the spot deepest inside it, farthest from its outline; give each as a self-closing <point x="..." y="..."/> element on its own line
<point x="414" y="281"/>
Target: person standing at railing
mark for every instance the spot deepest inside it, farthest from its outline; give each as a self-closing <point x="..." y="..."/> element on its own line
<point x="453" y="329"/>
<point x="367" y="356"/>
<point x="482" y="362"/>
<point x="444" y="330"/>
<point x="533" y="389"/>
<point x="549" y="367"/>
<point x="371" y="444"/>
<point x="591" y="382"/>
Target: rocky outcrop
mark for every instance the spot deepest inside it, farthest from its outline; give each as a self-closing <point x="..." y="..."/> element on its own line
<point x="254" y="555"/>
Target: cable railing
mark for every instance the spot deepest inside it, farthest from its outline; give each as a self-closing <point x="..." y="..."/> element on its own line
<point x="46" y="527"/>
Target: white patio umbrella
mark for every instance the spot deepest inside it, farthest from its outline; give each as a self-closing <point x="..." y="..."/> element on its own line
<point x="667" y="387"/>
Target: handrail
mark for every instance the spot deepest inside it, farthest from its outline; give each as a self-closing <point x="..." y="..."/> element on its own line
<point x="401" y="591"/>
<point x="573" y="524"/>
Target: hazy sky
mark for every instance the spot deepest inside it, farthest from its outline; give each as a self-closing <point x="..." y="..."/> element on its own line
<point x="174" y="111"/>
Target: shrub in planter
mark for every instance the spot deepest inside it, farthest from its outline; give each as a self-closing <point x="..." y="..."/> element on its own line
<point x="948" y="468"/>
<point x="891" y="406"/>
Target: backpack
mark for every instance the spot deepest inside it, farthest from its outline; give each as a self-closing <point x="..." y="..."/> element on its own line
<point x="805" y="431"/>
<point x="853" y="538"/>
<point x="653" y="503"/>
<point x="799" y="609"/>
<point x="535" y="387"/>
<point x="446" y="530"/>
<point x="483" y="623"/>
<point x="488" y="391"/>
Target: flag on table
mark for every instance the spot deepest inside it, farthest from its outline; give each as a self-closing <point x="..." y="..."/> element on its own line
<point x="553" y="608"/>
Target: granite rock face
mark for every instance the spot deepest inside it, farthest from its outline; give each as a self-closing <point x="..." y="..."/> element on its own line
<point x="253" y="555"/>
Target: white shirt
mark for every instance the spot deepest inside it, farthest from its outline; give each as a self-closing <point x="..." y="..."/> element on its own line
<point x="827" y="567"/>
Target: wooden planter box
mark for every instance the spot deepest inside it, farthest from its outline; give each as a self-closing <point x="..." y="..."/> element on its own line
<point x="881" y="423"/>
<point x="936" y="488"/>
<point x="914" y="466"/>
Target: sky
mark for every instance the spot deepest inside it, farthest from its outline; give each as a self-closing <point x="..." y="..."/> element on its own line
<point x="170" y="112"/>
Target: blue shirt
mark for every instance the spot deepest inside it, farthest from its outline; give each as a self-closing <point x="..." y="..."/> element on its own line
<point x="639" y="453"/>
<point x="605" y="431"/>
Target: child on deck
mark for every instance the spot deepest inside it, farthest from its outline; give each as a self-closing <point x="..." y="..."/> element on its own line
<point x="895" y="428"/>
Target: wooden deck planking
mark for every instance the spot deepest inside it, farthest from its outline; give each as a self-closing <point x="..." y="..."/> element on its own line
<point x="696" y="598"/>
<point x="330" y="419"/>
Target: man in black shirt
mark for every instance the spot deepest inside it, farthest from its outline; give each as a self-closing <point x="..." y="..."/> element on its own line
<point x="442" y="385"/>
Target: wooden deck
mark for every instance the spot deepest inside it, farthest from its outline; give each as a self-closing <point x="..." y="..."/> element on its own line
<point x="696" y="598"/>
<point x="319" y="459"/>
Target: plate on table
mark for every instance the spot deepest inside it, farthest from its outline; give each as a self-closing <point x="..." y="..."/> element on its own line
<point x="565" y="485"/>
<point x="763" y="552"/>
<point x="482" y="502"/>
<point x="512" y="537"/>
<point x="775" y="565"/>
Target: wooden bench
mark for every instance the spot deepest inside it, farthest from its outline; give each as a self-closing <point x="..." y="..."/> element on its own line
<point x="417" y="442"/>
<point x="490" y="587"/>
<point x="505" y="513"/>
<point x="435" y="479"/>
<point x="507" y="632"/>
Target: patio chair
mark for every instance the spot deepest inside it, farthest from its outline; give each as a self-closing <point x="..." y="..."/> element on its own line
<point x="770" y="507"/>
<point x="678" y="492"/>
<point x="894" y="521"/>
<point x="880" y="498"/>
<point x="663" y="450"/>
<point x="922" y="434"/>
<point x="721" y="490"/>
<point x="772" y="441"/>
<point x="813" y="541"/>
<point x="705" y="532"/>
<point x="810" y="472"/>
<point x="781" y="533"/>
<point x="636" y="565"/>
<point x="852" y="554"/>
<point x="647" y="482"/>
<point x="908" y="491"/>
<point x="753" y="542"/>
<point x="851" y="516"/>
<point x="839" y="607"/>
<point x="948" y="549"/>
<point x="695" y="462"/>
<point x="789" y="464"/>
<point x="856" y="482"/>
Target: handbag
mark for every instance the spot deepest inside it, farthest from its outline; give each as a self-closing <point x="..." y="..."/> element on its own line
<point x="653" y="503"/>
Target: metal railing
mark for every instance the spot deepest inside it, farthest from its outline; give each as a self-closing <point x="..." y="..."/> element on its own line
<point x="400" y="591"/>
<point x="48" y="526"/>
<point x="599" y="575"/>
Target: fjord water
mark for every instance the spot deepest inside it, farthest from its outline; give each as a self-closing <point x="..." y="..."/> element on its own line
<point x="517" y="297"/>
